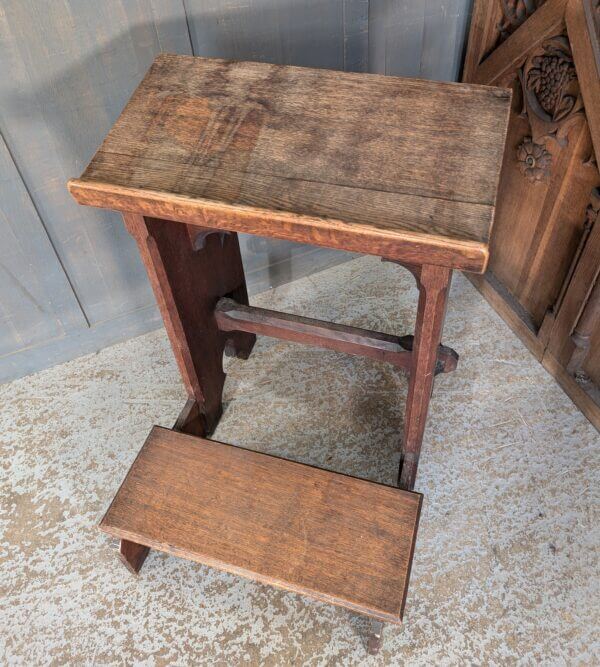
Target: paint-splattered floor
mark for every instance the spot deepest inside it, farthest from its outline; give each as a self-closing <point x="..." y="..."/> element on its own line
<point x="506" y="566"/>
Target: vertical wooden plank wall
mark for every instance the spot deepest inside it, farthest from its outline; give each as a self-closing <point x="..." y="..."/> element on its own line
<point x="67" y="70"/>
<point x="418" y="38"/>
<point x="70" y="278"/>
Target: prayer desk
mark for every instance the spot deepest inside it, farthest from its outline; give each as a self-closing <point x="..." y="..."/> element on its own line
<point x="403" y="169"/>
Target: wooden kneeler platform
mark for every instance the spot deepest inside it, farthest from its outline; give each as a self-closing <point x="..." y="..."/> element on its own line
<point x="339" y="539"/>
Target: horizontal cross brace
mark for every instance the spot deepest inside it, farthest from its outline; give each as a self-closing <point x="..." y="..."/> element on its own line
<point x="233" y="316"/>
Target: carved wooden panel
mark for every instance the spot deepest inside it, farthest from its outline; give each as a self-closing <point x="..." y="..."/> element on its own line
<point x="545" y="248"/>
<point x="515" y="13"/>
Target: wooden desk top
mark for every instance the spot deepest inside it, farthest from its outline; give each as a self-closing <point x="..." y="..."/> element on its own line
<point x="401" y="168"/>
<point x="343" y="540"/>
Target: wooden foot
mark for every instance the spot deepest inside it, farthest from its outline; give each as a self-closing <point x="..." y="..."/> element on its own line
<point x="190" y="419"/>
<point x="375" y="638"/>
<point x="434" y="284"/>
<point x="133" y="555"/>
<point x="190" y="268"/>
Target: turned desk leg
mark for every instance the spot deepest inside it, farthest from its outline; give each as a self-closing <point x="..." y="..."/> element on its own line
<point x="190" y="269"/>
<point x="434" y="285"/>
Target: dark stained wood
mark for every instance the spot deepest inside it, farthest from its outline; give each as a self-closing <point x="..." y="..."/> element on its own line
<point x="187" y="284"/>
<point x="132" y="555"/>
<point x="190" y="419"/>
<point x="232" y="316"/>
<point x="340" y="539"/>
<point x="337" y="159"/>
<point x="434" y="284"/>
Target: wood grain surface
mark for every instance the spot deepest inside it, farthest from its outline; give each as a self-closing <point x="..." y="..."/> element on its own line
<point x="337" y="159"/>
<point x="340" y="539"/>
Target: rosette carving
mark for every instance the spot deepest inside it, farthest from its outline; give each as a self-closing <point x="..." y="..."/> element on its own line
<point x="534" y="160"/>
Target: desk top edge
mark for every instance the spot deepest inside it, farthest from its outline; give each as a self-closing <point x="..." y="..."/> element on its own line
<point x="452" y="86"/>
<point x="399" y="245"/>
<point x="407" y="212"/>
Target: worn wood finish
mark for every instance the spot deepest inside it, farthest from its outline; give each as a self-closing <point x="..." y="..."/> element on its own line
<point x="57" y="59"/>
<point x="232" y="316"/>
<point x="187" y="284"/>
<point x="207" y="148"/>
<point x="434" y="284"/>
<point x="348" y="542"/>
<point x="235" y="146"/>
<point x="578" y="309"/>
<point x="544" y="249"/>
<point x="341" y="160"/>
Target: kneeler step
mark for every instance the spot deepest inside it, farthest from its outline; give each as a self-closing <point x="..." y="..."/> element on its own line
<point x="339" y="539"/>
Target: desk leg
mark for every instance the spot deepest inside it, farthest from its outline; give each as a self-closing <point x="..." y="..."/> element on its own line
<point x="434" y="284"/>
<point x="375" y="640"/>
<point x="133" y="555"/>
<point x="188" y="278"/>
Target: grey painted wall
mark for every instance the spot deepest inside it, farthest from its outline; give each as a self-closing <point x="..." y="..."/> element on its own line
<point x="70" y="278"/>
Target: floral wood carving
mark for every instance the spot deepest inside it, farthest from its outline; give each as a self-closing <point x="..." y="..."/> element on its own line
<point x="534" y="160"/>
<point x="551" y="97"/>
<point x="514" y="13"/>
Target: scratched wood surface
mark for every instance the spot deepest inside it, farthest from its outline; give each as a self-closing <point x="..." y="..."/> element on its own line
<point x="67" y="70"/>
<point x="350" y="542"/>
<point x="324" y="147"/>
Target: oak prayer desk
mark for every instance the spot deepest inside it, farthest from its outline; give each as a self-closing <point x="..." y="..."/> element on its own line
<point x="403" y="169"/>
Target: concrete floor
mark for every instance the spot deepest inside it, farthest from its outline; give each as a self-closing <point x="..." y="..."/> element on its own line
<point x="506" y="565"/>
